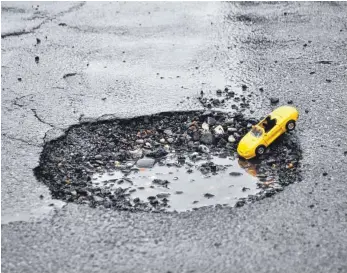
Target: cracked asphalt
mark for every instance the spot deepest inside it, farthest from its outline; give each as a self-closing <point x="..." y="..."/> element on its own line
<point x="107" y="60"/>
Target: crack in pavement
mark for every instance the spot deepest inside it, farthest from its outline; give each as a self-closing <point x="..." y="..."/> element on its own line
<point x="32" y="30"/>
<point x="17" y="103"/>
<point x="18" y="33"/>
<point x="41" y="120"/>
<point x="113" y="31"/>
<point x="21" y="140"/>
<point x="73" y="8"/>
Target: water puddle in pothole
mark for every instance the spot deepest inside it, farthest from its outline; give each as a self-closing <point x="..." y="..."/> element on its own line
<point x="184" y="185"/>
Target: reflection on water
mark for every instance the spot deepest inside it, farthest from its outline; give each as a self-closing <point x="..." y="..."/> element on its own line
<point x="250" y="168"/>
<point x="190" y="184"/>
<point x="260" y="170"/>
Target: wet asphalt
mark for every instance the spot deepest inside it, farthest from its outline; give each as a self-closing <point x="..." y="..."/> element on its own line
<point x="133" y="59"/>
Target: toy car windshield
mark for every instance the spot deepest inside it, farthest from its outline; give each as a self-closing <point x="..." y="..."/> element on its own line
<point x="256" y="132"/>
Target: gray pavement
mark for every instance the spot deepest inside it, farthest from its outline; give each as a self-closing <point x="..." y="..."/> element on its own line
<point x="127" y="57"/>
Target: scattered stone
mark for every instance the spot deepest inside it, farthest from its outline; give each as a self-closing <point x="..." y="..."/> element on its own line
<point x="274" y="100"/>
<point x="37" y="59"/>
<point x="206" y="138"/>
<point x="231" y="139"/>
<point x="325" y="174"/>
<point x="41" y="196"/>
<point x="163" y="195"/>
<point x="245" y="189"/>
<point x="327" y="80"/>
<point x="139" y="141"/>
<point x="162" y="141"/>
<point x="205" y="126"/>
<point x="219" y="130"/>
<point x="229" y="121"/>
<point x="231" y="94"/>
<point x="235" y="174"/>
<point x="196" y="136"/>
<point x="244" y="87"/>
<point x="290" y="102"/>
<point x="168" y="132"/>
<point x="208" y="195"/>
<point x="19" y="79"/>
<point x="240" y="203"/>
<point x="135" y="154"/>
<point x="261" y="89"/>
<point x="211" y="121"/>
<point x="148" y="145"/>
<point x="213" y="168"/>
<point x="98" y="157"/>
<point x="219" y="92"/>
<point x="38" y="41"/>
<point x="145" y="162"/>
<point x="232" y="130"/>
<point x="179" y="192"/>
<point x="306" y="111"/>
<point x="222" y="142"/>
<point x="97" y="198"/>
<point x="204" y="149"/>
<point x="158" y="153"/>
<point x="216" y="102"/>
<point x="161" y="182"/>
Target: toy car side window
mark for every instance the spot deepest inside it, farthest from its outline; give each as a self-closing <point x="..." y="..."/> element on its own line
<point x="270" y="124"/>
<point x="273" y="124"/>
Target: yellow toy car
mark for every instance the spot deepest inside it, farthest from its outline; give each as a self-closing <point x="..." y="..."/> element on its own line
<point x="255" y="142"/>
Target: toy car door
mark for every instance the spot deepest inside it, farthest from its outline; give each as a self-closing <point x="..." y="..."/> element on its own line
<point x="275" y="132"/>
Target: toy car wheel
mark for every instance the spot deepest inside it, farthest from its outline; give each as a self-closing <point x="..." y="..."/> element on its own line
<point x="260" y="150"/>
<point x="290" y="126"/>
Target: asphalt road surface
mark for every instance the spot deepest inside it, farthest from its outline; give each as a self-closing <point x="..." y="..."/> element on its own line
<point x="123" y="60"/>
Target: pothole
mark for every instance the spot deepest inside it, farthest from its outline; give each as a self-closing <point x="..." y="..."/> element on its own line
<point x="173" y="161"/>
